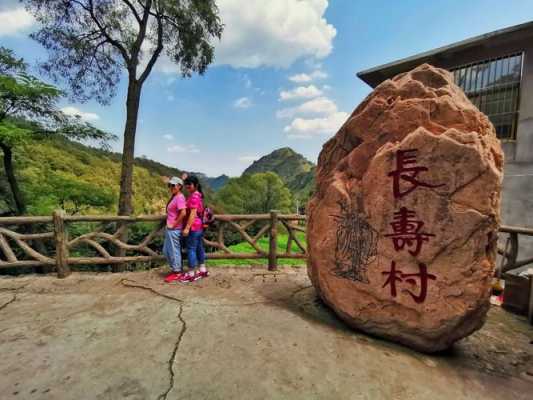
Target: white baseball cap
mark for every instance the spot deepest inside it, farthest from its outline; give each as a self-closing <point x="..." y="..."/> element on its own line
<point x="175" y="181"/>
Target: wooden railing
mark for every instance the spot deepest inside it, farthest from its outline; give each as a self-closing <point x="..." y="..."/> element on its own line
<point x="21" y="246"/>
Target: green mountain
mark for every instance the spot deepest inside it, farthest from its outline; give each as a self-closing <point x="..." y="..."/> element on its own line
<point x="216" y="183"/>
<point x="57" y="173"/>
<point x="54" y="173"/>
<point x="295" y="170"/>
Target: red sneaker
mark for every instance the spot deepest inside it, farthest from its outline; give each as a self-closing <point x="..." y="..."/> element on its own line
<point x="202" y="274"/>
<point x="173" y="277"/>
<point x="186" y="278"/>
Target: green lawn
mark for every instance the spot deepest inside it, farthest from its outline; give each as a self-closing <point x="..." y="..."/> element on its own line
<point x="245" y="247"/>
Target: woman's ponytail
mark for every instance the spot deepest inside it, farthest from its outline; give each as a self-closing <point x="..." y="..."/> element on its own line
<point x="196" y="182"/>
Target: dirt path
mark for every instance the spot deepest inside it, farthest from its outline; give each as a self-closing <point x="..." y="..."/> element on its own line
<point x="241" y="334"/>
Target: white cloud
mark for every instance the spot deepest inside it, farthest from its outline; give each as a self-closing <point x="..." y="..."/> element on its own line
<point x="85" y="116"/>
<point x="301" y="92"/>
<point x="248" y="159"/>
<point x="320" y="105"/>
<point x="247" y="82"/>
<point x="302" y="78"/>
<point x="186" y="148"/>
<point x="272" y="33"/>
<point x="301" y="128"/>
<point x="243" y="102"/>
<point x="14" y="21"/>
<point x="168" y="136"/>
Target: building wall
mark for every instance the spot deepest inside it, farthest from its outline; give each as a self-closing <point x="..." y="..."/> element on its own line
<point x="517" y="197"/>
<point x="520" y="150"/>
<point x="517" y="201"/>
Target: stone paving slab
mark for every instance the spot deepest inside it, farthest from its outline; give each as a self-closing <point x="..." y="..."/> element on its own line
<point x="240" y="334"/>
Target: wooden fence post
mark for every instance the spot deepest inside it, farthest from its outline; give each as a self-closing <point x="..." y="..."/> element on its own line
<point x="61" y="238"/>
<point x="273" y="248"/>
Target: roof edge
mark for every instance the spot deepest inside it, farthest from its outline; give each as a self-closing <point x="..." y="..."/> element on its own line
<point x="455" y="45"/>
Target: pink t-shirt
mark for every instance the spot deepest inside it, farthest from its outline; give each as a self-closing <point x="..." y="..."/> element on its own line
<point x="195" y="201"/>
<point x="176" y="204"/>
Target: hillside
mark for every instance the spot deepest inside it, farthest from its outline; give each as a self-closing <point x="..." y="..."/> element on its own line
<point x="213" y="184"/>
<point x="216" y="183"/>
<point x="58" y="173"/>
<point x="297" y="172"/>
<point x="82" y="179"/>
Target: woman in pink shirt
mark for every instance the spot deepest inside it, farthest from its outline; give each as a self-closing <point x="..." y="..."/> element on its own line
<point x="176" y="212"/>
<point x="193" y="230"/>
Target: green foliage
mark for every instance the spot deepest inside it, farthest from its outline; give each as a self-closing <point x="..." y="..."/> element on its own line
<point x="294" y="169"/>
<point x="12" y="133"/>
<point x="257" y="193"/>
<point x="91" y="42"/>
<point x="84" y="179"/>
<point x="263" y="243"/>
<point x="28" y="111"/>
<point x="9" y="63"/>
<point x="70" y="193"/>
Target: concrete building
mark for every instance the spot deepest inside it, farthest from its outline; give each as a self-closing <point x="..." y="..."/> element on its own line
<point x="496" y="72"/>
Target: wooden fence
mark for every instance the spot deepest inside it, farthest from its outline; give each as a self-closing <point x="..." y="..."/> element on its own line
<point x="19" y="242"/>
<point x="20" y="245"/>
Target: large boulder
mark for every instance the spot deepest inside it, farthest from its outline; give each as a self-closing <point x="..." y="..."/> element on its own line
<point x="403" y="225"/>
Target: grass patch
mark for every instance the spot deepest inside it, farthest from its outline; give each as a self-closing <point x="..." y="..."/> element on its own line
<point x="245" y="247"/>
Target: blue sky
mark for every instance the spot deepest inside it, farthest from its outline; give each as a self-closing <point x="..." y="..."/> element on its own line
<point x="284" y="75"/>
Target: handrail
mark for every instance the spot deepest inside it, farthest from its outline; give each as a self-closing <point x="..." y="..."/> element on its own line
<point x="516" y="229"/>
<point x="24" y="254"/>
<point x="101" y="242"/>
<point x="137" y="218"/>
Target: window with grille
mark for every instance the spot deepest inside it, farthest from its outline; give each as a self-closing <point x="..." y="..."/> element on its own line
<point x="494" y="87"/>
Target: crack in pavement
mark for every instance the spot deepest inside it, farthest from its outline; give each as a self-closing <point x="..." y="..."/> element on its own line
<point x="13" y="289"/>
<point x="134" y="284"/>
<point x="9" y="302"/>
<point x="137" y="285"/>
<point x="172" y="359"/>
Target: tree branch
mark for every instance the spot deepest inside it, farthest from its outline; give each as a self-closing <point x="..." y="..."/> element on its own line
<point x="156" y="52"/>
<point x="143" y="25"/>
<point x="133" y="10"/>
<point x="102" y="28"/>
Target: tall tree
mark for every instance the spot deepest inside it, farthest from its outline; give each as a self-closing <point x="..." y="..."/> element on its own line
<point x="90" y="42"/>
<point x="255" y="193"/>
<point x="28" y="108"/>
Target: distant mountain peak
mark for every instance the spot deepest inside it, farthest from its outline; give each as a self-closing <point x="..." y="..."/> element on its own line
<point x="293" y="168"/>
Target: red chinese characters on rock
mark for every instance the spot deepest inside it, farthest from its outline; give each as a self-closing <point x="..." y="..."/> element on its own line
<point x="407" y="233"/>
<point x="395" y="275"/>
<point x="407" y="171"/>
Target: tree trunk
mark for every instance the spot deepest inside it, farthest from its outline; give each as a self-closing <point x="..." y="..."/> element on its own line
<point x="125" y="204"/>
<point x="12" y="179"/>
